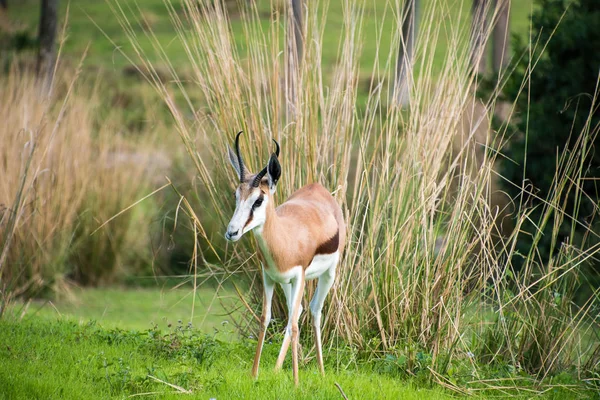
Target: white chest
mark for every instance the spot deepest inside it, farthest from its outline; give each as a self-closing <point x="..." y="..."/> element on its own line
<point x="264" y="248"/>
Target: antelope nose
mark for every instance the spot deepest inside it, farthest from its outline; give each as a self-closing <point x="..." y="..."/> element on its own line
<point x="229" y="235"/>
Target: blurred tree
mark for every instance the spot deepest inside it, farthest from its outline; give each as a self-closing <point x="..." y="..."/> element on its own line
<point x="295" y="45"/>
<point x="500" y="44"/>
<point x="479" y="27"/>
<point x="481" y="10"/>
<point x="4" y="4"/>
<point x="558" y="101"/>
<point x="297" y="24"/>
<point x="47" y="38"/>
<point x="409" y="16"/>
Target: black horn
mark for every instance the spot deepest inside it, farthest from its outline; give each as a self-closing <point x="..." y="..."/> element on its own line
<point x="263" y="172"/>
<point x="239" y="157"/>
<point x="258" y="177"/>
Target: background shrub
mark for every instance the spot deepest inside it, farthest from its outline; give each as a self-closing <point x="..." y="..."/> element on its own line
<point x="557" y="103"/>
<point x="63" y="175"/>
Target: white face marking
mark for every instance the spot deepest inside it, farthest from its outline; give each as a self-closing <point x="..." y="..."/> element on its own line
<point x="245" y="209"/>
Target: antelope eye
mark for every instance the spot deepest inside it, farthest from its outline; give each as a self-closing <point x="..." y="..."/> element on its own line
<point x="258" y="202"/>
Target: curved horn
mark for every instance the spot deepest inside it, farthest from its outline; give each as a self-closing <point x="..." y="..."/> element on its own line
<point x="239" y="157"/>
<point x="263" y="172"/>
<point x="258" y="177"/>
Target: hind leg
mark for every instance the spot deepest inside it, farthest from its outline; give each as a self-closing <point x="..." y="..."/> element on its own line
<point x="316" y="306"/>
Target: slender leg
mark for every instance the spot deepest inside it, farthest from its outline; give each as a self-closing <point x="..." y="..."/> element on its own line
<point x="316" y="306"/>
<point x="264" y="320"/>
<point x="287" y="290"/>
<point x="297" y="290"/>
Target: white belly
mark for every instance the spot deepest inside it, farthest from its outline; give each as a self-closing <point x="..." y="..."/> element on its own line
<point x="319" y="265"/>
<point x="283" y="277"/>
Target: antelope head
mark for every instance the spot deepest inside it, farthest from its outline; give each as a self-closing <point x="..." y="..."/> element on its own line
<point x="253" y="193"/>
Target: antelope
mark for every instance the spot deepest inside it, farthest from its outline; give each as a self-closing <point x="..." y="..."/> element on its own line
<point x="300" y="240"/>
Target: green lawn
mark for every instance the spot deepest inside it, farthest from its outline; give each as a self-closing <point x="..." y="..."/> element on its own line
<point x="43" y="359"/>
<point x="138" y="309"/>
<point x="40" y="359"/>
<point x="102" y="343"/>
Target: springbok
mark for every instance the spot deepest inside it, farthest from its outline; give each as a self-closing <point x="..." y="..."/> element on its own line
<point x="302" y="239"/>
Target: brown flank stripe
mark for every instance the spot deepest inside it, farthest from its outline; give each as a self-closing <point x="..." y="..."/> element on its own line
<point x="330" y="246"/>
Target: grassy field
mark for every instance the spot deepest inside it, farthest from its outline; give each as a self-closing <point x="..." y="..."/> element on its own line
<point x="137" y="309"/>
<point x="89" y="362"/>
<point x="409" y="311"/>
<point x="68" y="360"/>
<point x="92" y="28"/>
<point x="89" y="24"/>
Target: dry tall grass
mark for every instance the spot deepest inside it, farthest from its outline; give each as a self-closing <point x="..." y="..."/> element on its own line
<point x="63" y="174"/>
<point x="424" y="270"/>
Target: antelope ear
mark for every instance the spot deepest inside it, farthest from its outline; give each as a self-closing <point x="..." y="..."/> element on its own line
<point x="273" y="172"/>
<point x="234" y="161"/>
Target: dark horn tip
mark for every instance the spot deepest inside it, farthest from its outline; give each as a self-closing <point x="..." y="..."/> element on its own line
<point x="277" y="150"/>
<point x="239" y="157"/>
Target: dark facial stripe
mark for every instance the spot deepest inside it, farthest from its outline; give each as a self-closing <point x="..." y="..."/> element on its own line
<point x="261" y="198"/>
<point x="249" y="218"/>
<point x="330" y="246"/>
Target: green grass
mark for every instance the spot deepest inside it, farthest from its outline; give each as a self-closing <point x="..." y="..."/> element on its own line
<point x="67" y="360"/>
<point x="137" y="309"/>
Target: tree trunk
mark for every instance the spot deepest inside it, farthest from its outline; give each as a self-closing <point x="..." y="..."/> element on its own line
<point x="406" y="51"/>
<point x="501" y="43"/>
<point x="47" y="38"/>
<point x="297" y="24"/>
<point x="295" y="43"/>
<point x="479" y="26"/>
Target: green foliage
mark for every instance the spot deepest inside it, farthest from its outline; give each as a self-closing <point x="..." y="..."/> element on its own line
<point x="555" y="107"/>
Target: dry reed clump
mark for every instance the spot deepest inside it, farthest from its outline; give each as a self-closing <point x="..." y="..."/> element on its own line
<point x="424" y="276"/>
<point x="61" y="179"/>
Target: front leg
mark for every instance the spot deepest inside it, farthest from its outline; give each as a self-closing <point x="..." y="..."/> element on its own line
<point x="287" y="290"/>
<point x="265" y="318"/>
<point x="297" y="290"/>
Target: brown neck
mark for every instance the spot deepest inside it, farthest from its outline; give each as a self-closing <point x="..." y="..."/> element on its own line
<point x="270" y="224"/>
